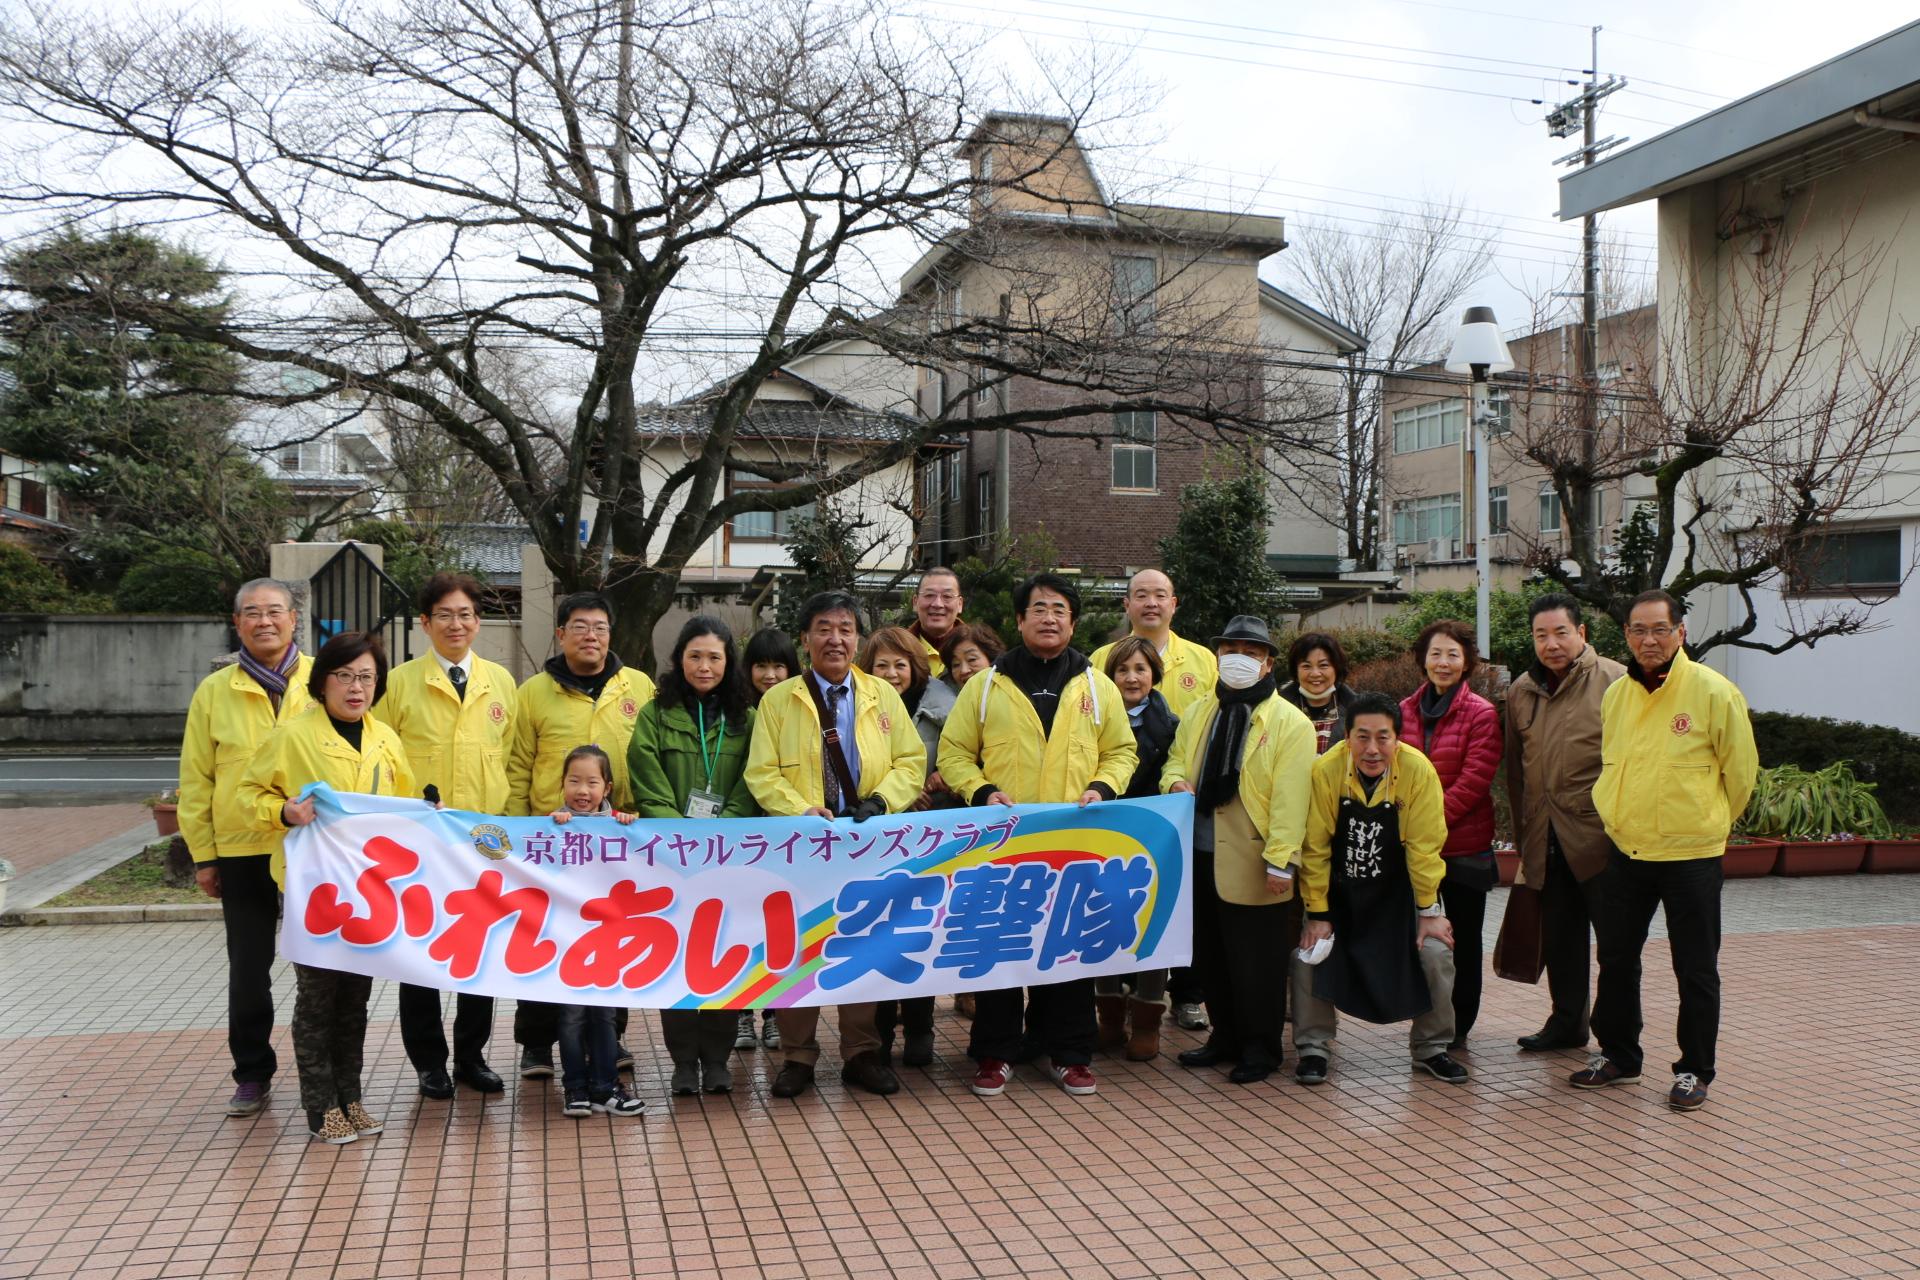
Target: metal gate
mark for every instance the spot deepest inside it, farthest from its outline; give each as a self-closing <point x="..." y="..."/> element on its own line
<point x="352" y="593"/>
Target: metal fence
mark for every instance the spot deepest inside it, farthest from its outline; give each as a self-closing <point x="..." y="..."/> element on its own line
<point x="352" y="593"/>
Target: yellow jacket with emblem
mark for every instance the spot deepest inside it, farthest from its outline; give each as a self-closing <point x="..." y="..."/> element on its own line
<point x="550" y="719"/>
<point x="307" y="748"/>
<point x="1677" y="764"/>
<point x="457" y="745"/>
<point x="1190" y="672"/>
<point x="785" y="769"/>
<point x="993" y="737"/>
<point x="1412" y="784"/>
<point x="1276" y="770"/>
<point x="228" y="719"/>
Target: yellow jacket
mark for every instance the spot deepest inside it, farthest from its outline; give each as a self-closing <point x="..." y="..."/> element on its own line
<point x="459" y="746"/>
<point x="785" y="770"/>
<point x="1276" y="770"/>
<point x="228" y="719"/>
<point x="549" y="720"/>
<point x="1191" y="671"/>
<point x="993" y="737"/>
<point x="1412" y="784"/>
<point x="307" y="748"/>
<point x="1676" y="765"/>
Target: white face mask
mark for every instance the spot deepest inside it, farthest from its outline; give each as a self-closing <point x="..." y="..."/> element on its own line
<point x="1238" y="671"/>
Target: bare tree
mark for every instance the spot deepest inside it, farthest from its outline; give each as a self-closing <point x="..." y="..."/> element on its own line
<point x="439" y="178"/>
<point x="1759" y="422"/>
<point x="1398" y="286"/>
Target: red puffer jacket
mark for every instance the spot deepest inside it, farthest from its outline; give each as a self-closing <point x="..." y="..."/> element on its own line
<point x="1465" y="751"/>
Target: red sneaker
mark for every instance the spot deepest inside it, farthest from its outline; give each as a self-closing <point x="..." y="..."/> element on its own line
<point x="991" y="1079"/>
<point x="1075" y="1079"/>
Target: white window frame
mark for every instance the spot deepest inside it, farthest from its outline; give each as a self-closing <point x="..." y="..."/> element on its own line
<point x="1136" y="438"/>
<point x="1550" y="508"/>
<point x="1433" y="425"/>
<point x="1417" y="521"/>
<point x="1132" y="304"/>
<point x="1497" y="518"/>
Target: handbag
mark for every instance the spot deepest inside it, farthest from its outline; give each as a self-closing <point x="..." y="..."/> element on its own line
<point x="1518" y="955"/>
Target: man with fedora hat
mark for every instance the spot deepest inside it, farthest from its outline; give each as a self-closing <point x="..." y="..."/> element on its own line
<point x="1247" y="756"/>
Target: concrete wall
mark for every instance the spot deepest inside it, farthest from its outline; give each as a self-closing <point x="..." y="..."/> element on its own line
<point x="102" y="678"/>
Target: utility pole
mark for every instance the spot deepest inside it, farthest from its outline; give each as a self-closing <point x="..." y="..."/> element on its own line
<point x="1581" y="113"/>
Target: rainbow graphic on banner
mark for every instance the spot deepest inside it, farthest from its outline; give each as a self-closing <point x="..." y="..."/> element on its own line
<point x="1055" y="836"/>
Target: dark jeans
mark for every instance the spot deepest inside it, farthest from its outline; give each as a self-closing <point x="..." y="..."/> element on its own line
<point x="536" y="1024"/>
<point x="425" y="1037"/>
<point x="1060" y="1013"/>
<point x="698" y="1035"/>
<point x="914" y="1017"/>
<point x="1689" y="892"/>
<point x="1571" y="910"/>
<point x="1241" y="954"/>
<point x="586" y="1048"/>
<point x="1464" y="890"/>
<point x="329" y="1035"/>
<point x="250" y="906"/>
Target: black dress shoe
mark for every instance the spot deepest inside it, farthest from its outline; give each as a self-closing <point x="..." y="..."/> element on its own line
<point x="536" y="1064"/>
<point x="868" y="1071"/>
<point x="1251" y="1072"/>
<point x="479" y="1077"/>
<point x="1311" y="1069"/>
<point x="795" y="1078"/>
<point x="1546" y="1040"/>
<point x="918" y="1049"/>
<point x="435" y="1084"/>
<point x="1207" y="1055"/>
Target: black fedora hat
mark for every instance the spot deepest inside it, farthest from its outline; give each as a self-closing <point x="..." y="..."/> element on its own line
<point x="1248" y="628"/>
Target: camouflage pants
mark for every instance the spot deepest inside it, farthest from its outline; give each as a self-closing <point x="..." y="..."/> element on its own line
<point x="329" y="1035"/>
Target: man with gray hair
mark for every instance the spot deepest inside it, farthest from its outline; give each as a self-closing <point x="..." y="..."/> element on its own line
<point x="232" y="712"/>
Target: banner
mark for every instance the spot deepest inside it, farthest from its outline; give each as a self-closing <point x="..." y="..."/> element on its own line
<point x="740" y="913"/>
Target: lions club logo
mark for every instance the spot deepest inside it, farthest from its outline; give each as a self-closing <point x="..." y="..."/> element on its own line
<point x="497" y="713"/>
<point x="1682" y="725"/>
<point x="886" y="723"/>
<point x="1086" y="704"/>
<point x="1189" y="682"/>
<point x="629" y="708"/>
<point x="491" y="839"/>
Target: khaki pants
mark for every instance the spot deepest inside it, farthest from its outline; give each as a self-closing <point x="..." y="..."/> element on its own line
<point x="799" y="1033"/>
<point x="1315" y="1020"/>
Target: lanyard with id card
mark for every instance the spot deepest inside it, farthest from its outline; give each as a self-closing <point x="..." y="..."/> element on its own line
<point x="705" y="802"/>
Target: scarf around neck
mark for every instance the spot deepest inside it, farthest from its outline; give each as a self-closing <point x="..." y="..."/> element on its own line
<point x="271" y="679"/>
<point x="1220" y="774"/>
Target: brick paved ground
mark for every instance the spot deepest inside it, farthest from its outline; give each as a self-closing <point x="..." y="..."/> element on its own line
<point x="38" y="837"/>
<point x="119" y="1162"/>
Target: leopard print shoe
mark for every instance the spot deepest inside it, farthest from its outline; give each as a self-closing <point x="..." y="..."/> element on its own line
<point x="364" y="1125"/>
<point x="335" y="1129"/>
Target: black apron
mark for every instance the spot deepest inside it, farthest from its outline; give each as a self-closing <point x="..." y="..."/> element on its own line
<point x="1374" y="971"/>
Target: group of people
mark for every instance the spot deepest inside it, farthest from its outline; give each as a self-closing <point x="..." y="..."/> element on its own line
<point x="1342" y="845"/>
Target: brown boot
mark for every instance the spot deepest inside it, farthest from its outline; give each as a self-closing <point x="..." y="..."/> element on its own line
<point x="1112" y="1011"/>
<point x="1144" y="1044"/>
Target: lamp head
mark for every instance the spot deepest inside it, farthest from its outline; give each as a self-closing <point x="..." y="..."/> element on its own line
<point x="1477" y="347"/>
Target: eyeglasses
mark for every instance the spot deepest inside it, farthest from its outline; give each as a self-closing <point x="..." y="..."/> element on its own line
<point x="1049" y="610"/>
<point x="1637" y="632"/>
<point x="354" y="679"/>
<point x="445" y="619"/>
<point x="937" y="597"/>
<point x="588" y="629"/>
<point x="274" y="614"/>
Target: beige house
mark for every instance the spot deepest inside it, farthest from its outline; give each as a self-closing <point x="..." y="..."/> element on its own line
<point x="1822" y="165"/>
<point x="1429" y="518"/>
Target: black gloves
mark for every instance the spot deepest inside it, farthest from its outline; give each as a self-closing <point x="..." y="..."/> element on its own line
<point x="871" y="807"/>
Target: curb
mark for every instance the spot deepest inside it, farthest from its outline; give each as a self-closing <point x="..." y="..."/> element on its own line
<point x="157" y="913"/>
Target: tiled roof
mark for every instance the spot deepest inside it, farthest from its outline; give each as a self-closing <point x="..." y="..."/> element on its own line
<point x="492" y="549"/>
<point x="782" y="420"/>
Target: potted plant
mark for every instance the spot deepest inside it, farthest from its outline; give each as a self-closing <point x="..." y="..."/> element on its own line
<point x="166" y="812"/>
<point x="1507" y="858"/>
<point x="1824" y="819"/>
<point x="1747" y="857"/>
<point x="1900" y="853"/>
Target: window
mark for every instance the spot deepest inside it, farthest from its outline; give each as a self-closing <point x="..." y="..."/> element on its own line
<point x="1861" y="559"/>
<point x="983" y="521"/>
<point x="930" y="484"/>
<point x="33" y="497"/>
<point x="1428" y="426"/>
<point x="1133" y="446"/>
<point x="1549" y="508"/>
<point x="1500" y="408"/>
<point x="954" y="480"/>
<point x="763" y="526"/>
<point x="1133" y="285"/>
<point x="1423" y="519"/>
<point x="293" y="455"/>
<point x="1497" y="509"/>
<point x="1597" y="515"/>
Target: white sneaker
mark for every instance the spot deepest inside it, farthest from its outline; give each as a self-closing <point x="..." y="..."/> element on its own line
<point x="1190" y="1016"/>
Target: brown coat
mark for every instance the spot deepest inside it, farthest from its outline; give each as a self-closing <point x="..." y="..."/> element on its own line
<point x="1553" y="760"/>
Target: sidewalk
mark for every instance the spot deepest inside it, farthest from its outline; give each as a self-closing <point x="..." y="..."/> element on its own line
<point x="121" y="1163"/>
<point x="57" y="847"/>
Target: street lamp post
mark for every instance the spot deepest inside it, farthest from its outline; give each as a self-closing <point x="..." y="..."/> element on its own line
<point x="1479" y="351"/>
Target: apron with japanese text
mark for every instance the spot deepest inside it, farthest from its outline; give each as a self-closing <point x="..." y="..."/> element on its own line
<point x="1373" y="971"/>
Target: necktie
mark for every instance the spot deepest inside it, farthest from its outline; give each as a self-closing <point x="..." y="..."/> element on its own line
<point x="834" y="694"/>
<point x="459" y="677"/>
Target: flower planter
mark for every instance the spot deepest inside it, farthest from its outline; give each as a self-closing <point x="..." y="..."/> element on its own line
<point x="1746" y="860"/>
<point x="1509" y="863"/>
<point x="1822" y="857"/>
<point x="166" y="818"/>
<point x="1893" y="855"/>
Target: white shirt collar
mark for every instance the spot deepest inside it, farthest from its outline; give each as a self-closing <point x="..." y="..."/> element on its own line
<point x="465" y="664"/>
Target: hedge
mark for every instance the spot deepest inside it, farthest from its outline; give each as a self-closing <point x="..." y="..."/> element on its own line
<point x="1882" y="755"/>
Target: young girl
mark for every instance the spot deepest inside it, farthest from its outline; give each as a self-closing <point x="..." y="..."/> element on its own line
<point x="587" y="1054"/>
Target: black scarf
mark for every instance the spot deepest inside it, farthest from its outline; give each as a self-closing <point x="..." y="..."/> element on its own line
<point x="1041" y="679"/>
<point x="1220" y="775"/>
<point x="1434" y="706"/>
<point x="349" y="730"/>
<point x="1650" y="680"/>
<point x="567" y="678"/>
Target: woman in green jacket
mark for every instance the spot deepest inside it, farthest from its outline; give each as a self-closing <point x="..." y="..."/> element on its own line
<point x="685" y="760"/>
